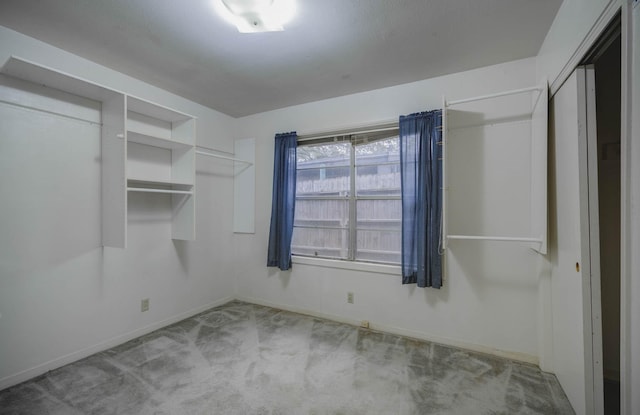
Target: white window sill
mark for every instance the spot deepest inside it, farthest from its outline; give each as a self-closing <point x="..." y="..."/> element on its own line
<point x="349" y="265"/>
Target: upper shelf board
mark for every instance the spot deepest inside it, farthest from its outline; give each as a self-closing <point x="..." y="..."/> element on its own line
<point x="155" y="111"/>
<point x="156" y="141"/>
<point x="38" y="74"/>
<point x="21" y="68"/>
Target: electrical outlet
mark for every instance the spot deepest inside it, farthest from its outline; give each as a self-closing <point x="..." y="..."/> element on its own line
<point x="350" y="298"/>
<point x="144" y="305"/>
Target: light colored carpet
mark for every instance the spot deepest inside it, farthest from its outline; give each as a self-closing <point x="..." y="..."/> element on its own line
<point x="242" y="358"/>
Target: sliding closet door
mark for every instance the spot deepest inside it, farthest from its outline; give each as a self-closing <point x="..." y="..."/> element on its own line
<point x="571" y="128"/>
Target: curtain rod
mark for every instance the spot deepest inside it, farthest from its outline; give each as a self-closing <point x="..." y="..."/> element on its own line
<point x="384" y="126"/>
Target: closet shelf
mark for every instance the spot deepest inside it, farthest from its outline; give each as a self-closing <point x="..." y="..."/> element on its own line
<point x="536" y="115"/>
<point x="150" y="190"/>
<point x="42" y="75"/>
<point x="140" y="140"/>
<point x="154" y="110"/>
<point x="496" y="238"/>
<point x="140" y="182"/>
<point x="153" y="141"/>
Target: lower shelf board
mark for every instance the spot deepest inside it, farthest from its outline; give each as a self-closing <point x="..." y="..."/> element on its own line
<point x="148" y="190"/>
<point x="495" y="238"/>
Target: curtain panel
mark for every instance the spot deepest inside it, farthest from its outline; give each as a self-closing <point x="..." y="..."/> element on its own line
<point x="421" y="182"/>
<point x="283" y="201"/>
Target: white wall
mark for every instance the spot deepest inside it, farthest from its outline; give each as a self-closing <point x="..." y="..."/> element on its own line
<point x="490" y="299"/>
<point x="568" y="33"/>
<point x="63" y="296"/>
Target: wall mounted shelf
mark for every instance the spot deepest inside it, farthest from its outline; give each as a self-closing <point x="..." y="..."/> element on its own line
<point x="537" y="116"/>
<point x="145" y="147"/>
<point x="148" y="190"/>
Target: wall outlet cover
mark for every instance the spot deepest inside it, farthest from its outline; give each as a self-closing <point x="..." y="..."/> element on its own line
<point x="144" y="305"/>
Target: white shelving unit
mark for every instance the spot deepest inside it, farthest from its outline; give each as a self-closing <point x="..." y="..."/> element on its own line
<point x="145" y="148"/>
<point x="161" y="159"/>
<point x="537" y="116"/>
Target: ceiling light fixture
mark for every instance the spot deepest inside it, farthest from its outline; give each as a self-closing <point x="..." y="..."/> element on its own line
<point x="254" y="16"/>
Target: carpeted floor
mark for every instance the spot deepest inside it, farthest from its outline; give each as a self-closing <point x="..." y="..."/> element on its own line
<point x="242" y="358"/>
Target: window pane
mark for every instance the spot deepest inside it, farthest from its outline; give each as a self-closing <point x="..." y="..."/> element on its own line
<point x="378" y="246"/>
<point x="379" y="230"/>
<point x="310" y="240"/>
<point x="379" y="214"/>
<point x="378" y="180"/>
<point x="378" y="168"/>
<point x="327" y="213"/>
<point x="327" y="181"/>
<point x="380" y="151"/>
<point x="324" y="155"/>
<point x="327" y="243"/>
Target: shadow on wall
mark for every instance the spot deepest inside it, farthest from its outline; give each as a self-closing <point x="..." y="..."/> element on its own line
<point x="465" y="172"/>
<point x="283" y="276"/>
<point x="488" y="160"/>
<point x="214" y="167"/>
<point x="51" y="177"/>
<point x="552" y="255"/>
<point x="182" y="252"/>
<point x="486" y="264"/>
<point x="431" y="296"/>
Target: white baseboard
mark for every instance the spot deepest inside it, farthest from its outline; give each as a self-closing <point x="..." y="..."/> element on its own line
<point x="517" y="356"/>
<point x="115" y="341"/>
<point x="38" y="370"/>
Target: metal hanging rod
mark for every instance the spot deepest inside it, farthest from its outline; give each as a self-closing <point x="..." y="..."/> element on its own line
<point x="443" y="146"/>
<point x="206" y="153"/>
<point x="496" y="95"/>
<point x="32" y="108"/>
<point x="495" y="238"/>
<point x="201" y="147"/>
<point x="147" y="190"/>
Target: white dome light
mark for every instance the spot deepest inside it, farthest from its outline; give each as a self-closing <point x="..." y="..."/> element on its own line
<point x="252" y="16"/>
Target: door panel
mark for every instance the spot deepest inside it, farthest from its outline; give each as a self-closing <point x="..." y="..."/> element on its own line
<point x="589" y="194"/>
<point x="570" y="254"/>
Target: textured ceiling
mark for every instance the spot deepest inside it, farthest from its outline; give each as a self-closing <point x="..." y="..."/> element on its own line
<point x="330" y="48"/>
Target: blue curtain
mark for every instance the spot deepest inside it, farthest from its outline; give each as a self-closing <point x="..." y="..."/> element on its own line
<point x="421" y="180"/>
<point x="283" y="201"/>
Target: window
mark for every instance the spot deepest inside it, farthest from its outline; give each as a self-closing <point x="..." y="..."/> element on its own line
<point x="348" y="198"/>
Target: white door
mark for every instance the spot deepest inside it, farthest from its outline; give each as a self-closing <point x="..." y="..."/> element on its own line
<point x="577" y="347"/>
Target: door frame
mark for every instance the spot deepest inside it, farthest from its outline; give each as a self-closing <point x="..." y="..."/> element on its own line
<point x="630" y="189"/>
<point x="590" y="244"/>
<point x="629" y="193"/>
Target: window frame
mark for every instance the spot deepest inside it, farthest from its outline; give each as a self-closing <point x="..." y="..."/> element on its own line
<point x="352" y="198"/>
